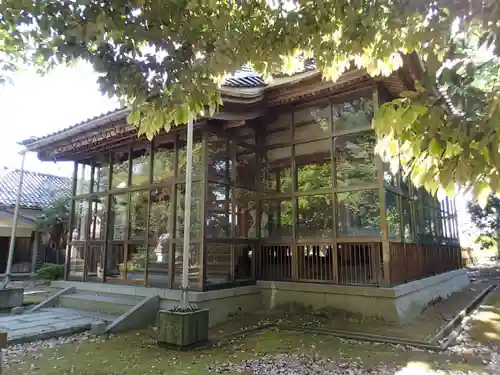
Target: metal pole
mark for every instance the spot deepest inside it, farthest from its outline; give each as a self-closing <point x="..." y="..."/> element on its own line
<point x="187" y="216"/>
<point x="14" y="223"/>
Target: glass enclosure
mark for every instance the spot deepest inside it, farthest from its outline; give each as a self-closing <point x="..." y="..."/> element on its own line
<point x="296" y="195"/>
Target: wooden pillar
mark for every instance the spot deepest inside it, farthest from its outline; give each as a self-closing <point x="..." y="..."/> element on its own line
<point x="386" y="253"/>
<point x="35" y="249"/>
<point x="67" y="261"/>
<point x="203" y="199"/>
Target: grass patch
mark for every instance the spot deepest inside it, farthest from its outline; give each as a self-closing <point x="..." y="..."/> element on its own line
<point x="136" y="353"/>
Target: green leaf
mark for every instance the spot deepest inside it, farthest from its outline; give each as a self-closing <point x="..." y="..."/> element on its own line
<point x="435" y="148"/>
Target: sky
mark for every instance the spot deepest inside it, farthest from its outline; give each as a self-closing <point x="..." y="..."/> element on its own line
<point x="37" y="106"/>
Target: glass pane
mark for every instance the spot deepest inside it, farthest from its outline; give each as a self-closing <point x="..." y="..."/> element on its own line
<point x="218" y="222"/>
<point x="315" y="216"/>
<point x="246" y="170"/>
<point x="119" y="177"/>
<point x="163" y="164"/>
<point x="277" y="170"/>
<point x="83" y="174"/>
<point x="243" y="261"/>
<point x="245" y="214"/>
<point x="76" y="262"/>
<point x="194" y="265"/>
<point x="101" y="178"/>
<point x="158" y="264"/>
<point x="354" y="156"/>
<point x="389" y="177"/>
<point x="95" y="256"/>
<point x="408" y="227"/>
<point x="312" y="122"/>
<point x="138" y="215"/>
<point x="98" y="220"/>
<point x="118" y="216"/>
<point x="114" y="261"/>
<point x="197" y="155"/>
<point x="277" y="220"/>
<point x="314" y="169"/>
<point x="392" y="214"/>
<point x="219" y="160"/>
<point x="160" y="215"/>
<point x="140" y="167"/>
<point x="353" y="114"/>
<point x="219" y="270"/>
<point x="196" y="205"/>
<point x="136" y="262"/>
<point x="80" y="217"/>
<point x="278" y="129"/>
<point x="358" y="213"/>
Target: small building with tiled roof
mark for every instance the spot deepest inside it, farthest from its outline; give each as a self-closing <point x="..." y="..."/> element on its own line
<point x="39" y="190"/>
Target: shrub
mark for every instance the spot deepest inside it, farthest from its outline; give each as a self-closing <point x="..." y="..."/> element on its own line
<point x="50" y="271"/>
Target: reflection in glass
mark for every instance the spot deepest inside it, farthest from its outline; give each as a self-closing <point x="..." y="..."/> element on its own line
<point x="83" y="174"/>
<point x="354" y="157"/>
<point x="408" y="225"/>
<point x="95" y="256"/>
<point x="277" y="170"/>
<point x="278" y="130"/>
<point x="314" y="169"/>
<point x="218" y="269"/>
<point x="243" y="261"/>
<point x="138" y="214"/>
<point x="136" y="262"/>
<point x="389" y="177"/>
<point x="195" y="210"/>
<point x="119" y="177"/>
<point x="358" y="213"/>
<point x="114" y="261"/>
<point x="193" y="265"/>
<point x="276" y="219"/>
<point x="140" y="168"/>
<point x="315" y="216"/>
<point x="80" y="218"/>
<point x="197" y="155"/>
<point x="101" y="178"/>
<point x="163" y="164"/>
<point x="160" y="238"/>
<point x="98" y="220"/>
<point x="76" y="262"/>
<point x="218" y="223"/>
<point x="118" y="216"/>
<point x="245" y="214"/>
<point x="219" y="160"/>
<point x="392" y="214"/>
<point x="354" y="114"/>
<point x="246" y="170"/>
<point x="312" y="122"/>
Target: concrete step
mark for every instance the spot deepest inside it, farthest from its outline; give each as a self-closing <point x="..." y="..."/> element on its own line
<point x="105" y="303"/>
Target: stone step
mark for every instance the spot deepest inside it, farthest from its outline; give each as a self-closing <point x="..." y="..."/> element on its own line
<point x="106" y="303"/>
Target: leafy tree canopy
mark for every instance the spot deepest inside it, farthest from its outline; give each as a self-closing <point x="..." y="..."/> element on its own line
<point x="166" y="58"/>
<point x="487" y="220"/>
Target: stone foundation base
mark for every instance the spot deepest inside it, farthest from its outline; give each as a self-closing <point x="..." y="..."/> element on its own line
<point x="398" y="304"/>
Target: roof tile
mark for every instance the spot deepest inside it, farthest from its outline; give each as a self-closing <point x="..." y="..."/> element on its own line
<point x="39" y="189"/>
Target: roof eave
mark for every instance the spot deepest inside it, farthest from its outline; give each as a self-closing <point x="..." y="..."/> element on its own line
<point x="87" y="126"/>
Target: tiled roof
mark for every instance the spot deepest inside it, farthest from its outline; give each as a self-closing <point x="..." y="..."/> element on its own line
<point x="39" y="189"/>
<point x="244" y="78"/>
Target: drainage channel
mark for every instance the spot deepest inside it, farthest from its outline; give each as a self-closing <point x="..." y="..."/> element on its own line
<point x="438" y="343"/>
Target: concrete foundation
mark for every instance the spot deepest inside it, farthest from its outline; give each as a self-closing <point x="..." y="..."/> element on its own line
<point x="398" y="304"/>
<point x="11" y="297"/>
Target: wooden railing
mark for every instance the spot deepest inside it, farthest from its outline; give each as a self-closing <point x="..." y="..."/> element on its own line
<point x="415" y="261"/>
<point x="347" y="263"/>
